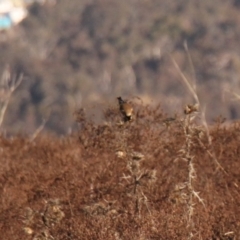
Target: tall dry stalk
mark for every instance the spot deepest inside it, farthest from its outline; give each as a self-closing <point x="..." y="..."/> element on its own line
<point x="187" y="154"/>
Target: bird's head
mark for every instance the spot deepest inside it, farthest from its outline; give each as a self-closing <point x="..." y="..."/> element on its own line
<point x="120" y="100"/>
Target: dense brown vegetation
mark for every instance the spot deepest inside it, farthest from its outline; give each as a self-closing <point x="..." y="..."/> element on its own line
<point x="75" y="53"/>
<point x="157" y="177"/>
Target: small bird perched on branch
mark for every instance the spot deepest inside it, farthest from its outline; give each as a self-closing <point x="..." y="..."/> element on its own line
<point x="126" y="109"/>
<point x="191" y="108"/>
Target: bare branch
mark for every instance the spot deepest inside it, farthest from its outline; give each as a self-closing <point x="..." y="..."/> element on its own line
<point x="9" y="85"/>
<point x="186" y="81"/>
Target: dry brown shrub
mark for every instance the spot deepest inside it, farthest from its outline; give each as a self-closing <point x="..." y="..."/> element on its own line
<point x="121" y="181"/>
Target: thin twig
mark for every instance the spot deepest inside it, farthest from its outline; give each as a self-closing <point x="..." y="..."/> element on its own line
<point x="191" y="64"/>
<point x="38" y="130"/>
<point x="186" y="81"/>
<point x="10" y="84"/>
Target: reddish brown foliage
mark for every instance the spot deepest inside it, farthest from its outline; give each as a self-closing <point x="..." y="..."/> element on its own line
<point x="97" y="185"/>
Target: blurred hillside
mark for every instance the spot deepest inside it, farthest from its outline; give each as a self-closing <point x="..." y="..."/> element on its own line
<point x="86" y="53"/>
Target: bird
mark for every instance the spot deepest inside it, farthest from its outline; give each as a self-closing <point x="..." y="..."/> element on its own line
<point x="191" y="108"/>
<point x="126" y="109"/>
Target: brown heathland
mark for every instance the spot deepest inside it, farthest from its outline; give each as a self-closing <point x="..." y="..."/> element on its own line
<point x="146" y="179"/>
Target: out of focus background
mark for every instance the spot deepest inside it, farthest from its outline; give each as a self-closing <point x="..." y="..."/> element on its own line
<point x="73" y="54"/>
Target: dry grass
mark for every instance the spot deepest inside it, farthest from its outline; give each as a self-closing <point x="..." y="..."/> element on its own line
<point x="152" y="178"/>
